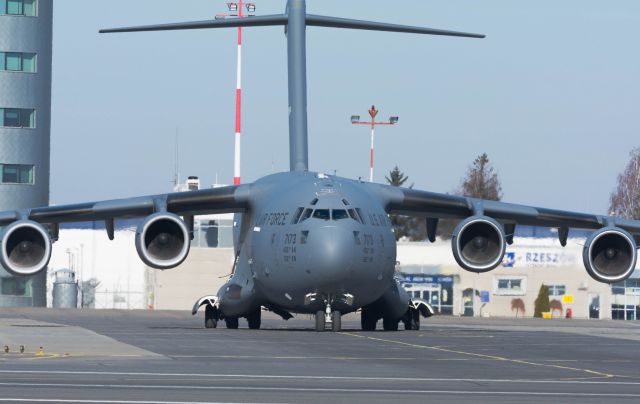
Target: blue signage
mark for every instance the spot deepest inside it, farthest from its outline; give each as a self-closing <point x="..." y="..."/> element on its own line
<point x="484" y="296"/>
<point x="419" y="278"/>
<point x="509" y="260"/>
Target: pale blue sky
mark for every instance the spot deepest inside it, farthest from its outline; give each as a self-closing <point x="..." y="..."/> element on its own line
<point x="552" y="95"/>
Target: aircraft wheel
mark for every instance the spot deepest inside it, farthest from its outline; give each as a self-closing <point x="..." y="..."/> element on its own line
<point x="407" y="324"/>
<point x="254" y="320"/>
<point x="336" y="321"/>
<point x="210" y="323"/>
<point x="389" y="324"/>
<point x="231" y="322"/>
<point x="411" y="320"/>
<point x="368" y="321"/>
<point x="320" y="323"/>
<point x="209" y="319"/>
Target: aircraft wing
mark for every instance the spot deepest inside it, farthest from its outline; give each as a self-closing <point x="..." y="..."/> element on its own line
<point x="412" y="202"/>
<point x="215" y="200"/>
<point x="610" y="252"/>
<point x="162" y="238"/>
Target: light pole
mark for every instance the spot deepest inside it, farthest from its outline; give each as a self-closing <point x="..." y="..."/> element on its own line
<point x="355" y="119"/>
<point x="237" y="8"/>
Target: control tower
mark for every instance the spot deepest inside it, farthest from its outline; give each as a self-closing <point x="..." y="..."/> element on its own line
<point x="25" y="121"/>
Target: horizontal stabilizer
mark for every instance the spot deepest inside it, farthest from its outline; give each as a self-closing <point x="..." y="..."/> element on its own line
<point x="333" y="22"/>
<point x="261" y="21"/>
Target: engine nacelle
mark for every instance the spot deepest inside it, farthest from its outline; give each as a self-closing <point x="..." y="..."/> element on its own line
<point x="25" y="248"/>
<point x="610" y="255"/>
<point x="163" y="241"/>
<point x="478" y="243"/>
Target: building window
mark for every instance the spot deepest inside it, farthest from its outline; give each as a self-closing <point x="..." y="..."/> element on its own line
<point x="18" y="62"/>
<point x="19" y="7"/>
<point x="557" y="290"/>
<point x="17" y="118"/>
<point x="14" y="286"/>
<point x="16" y="173"/>
<point x="510" y="285"/>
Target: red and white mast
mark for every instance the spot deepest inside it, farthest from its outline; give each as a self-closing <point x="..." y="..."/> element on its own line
<point x="355" y="119"/>
<point x="238" y="7"/>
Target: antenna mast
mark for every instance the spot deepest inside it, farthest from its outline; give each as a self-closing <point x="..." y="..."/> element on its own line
<point x="238" y="8"/>
<point x="176" y="169"/>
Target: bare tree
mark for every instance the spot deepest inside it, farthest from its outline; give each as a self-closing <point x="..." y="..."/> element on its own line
<point x="482" y="180"/>
<point x="517" y="304"/>
<point x="625" y="200"/>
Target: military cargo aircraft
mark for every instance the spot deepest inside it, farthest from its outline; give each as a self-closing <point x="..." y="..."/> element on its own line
<point x="307" y="242"/>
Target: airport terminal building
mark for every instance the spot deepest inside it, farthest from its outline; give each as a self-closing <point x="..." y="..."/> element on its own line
<point x="25" y="117"/>
<point x="536" y="258"/>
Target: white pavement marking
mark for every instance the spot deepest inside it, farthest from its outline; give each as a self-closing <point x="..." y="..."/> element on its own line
<point x="328" y="390"/>
<point x="296" y="377"/>
<point x="60" y="400"/>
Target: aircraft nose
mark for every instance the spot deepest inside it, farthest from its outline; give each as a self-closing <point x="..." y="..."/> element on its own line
<point x="332" y="252"/>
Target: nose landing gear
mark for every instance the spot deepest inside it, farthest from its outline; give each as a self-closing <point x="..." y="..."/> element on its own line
<point x="333" y="317"/>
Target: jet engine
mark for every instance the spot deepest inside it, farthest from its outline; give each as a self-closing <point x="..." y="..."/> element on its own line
<point x="26" y="248"/>
<point x="162" y="240"/>
<point x="478" y="243"/>
<point x="610" y="255"/>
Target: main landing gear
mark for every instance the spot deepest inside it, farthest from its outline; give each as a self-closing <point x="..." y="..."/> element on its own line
<point x="254" y="320"/>
<point x="210" y="318"/>
<point x="333" y="317"/>
<point x="369" y="321"/>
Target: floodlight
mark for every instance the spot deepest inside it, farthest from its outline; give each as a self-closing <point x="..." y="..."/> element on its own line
<point x="393" y="119"/>
<point x="355" y="118"/>
<point x="232" y="6"/>
<point x="251" y="7"/>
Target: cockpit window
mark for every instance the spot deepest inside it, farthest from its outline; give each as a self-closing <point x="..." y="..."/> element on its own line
<point x="360" y="215"/>
<point x="314" y="201"/>
<point x="339" y="214"/>
<point x="296" y="216"/>
<point x="321" y="214"/>
<point x="346" y="202"/>
<point x="353" y="215"/>
<point x="307" y="214"/>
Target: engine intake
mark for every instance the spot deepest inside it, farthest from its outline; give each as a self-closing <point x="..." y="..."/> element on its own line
<point x="25" y="248"/>
<point x="478" y="244"/>
<point x="162" y="241"/>
<point x="610" y="255"/>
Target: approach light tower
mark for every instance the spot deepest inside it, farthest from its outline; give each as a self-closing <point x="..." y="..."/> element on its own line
<point x="236" y="10"/>
<point x="355" y="119"/>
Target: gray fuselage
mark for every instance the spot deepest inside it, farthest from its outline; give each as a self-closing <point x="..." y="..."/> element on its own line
<point x="310" y="235"/>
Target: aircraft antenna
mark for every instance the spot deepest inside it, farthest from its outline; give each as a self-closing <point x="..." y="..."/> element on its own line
<point x="295" y="20"/>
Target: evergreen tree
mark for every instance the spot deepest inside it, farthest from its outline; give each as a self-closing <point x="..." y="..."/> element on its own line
<point x="542" y="304"/>
<point x="412" y="228"/>
<point x="396" y="177"/>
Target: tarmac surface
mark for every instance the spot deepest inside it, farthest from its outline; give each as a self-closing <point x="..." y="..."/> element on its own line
<point x="110" y="356"/>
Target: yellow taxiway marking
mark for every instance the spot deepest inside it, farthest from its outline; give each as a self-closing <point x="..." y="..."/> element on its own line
<point x="594" y="373"/>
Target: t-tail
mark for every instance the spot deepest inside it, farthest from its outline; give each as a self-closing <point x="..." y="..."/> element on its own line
<point x="295" y="20"/>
